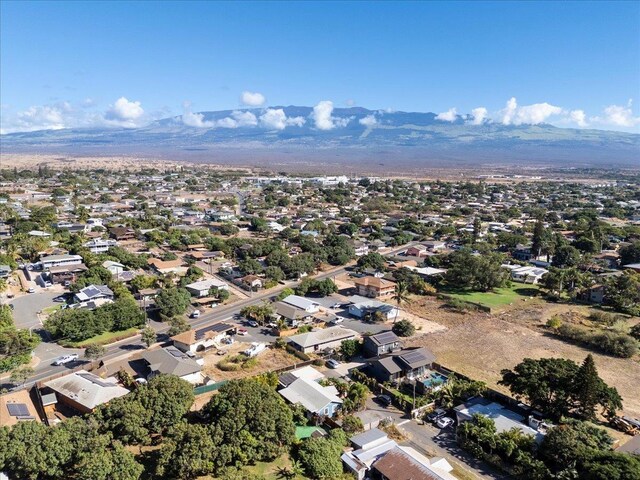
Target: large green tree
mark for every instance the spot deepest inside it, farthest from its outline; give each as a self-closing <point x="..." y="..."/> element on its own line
<point x="251" y="421"/>
<point x="173" y="301"/>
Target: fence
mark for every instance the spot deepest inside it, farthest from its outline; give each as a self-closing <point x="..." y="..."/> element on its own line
<point x="209" y="388"/>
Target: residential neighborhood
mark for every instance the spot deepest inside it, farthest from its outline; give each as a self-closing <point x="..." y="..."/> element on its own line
<point x="392" y="327"/>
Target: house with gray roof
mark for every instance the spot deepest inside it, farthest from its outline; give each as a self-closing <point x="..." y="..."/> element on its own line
<point x="381" y="343"/>
<point x="172" y="361"/>
<point x="321" y="339"/>
<point x="84" y="391"/>
<point x="410" y="363"/>
<point x="316" y="399"/>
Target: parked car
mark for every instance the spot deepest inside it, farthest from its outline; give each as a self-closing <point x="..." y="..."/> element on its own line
<point x="271" y="325"/>
<point x="31" y="290"/>
<point x="72" y="357"/>
<point x="436" y="415"/>
<point x="242" y="331"/>
<point x="48" y="284"/>
<point x="444" y="422"/>
<point x="384" y="400"/>
<point x="331" y="363"/>
<point x="195" y="314"/>
<point x="337" y="321"/>
<point x="60" y="299"/>
<point x="253" y="323"/>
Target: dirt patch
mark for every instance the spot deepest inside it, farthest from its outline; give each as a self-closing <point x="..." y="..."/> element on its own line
<point x="480" y="344"/>
<point x="268" y="360"/>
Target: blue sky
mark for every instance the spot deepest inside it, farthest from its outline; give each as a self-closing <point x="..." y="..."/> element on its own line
<point x="69" y="63"/>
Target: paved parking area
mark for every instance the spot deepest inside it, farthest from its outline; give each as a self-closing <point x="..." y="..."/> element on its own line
<point x="26" y="307"/>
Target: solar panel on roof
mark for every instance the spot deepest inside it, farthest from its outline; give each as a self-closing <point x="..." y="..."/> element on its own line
<point x="385" y="337"/>
<point x="91" y="291"/>
<point x="413" y="357"/>
<point x="18" y="410"/>
<point x="175" y="352"/>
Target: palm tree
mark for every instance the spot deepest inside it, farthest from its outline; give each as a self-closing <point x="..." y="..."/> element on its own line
<point x="400" y="295"/>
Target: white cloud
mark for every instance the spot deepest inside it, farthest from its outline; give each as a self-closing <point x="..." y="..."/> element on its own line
<point x="368" y="121"/>
<point x="534" y="114"/>
<point x="322" y="116"/>
<point x="350" y="102"/>
<point x="479" y="115"/>
<point x="244" y="119"/>
<point x="620" y="116"/>
<point x="124" y="111"/>
<point x="253" y="99"/>
<point x="509" y="111"/>
<point x="448" y="116"/>
<point x="41" y="117"/>
<point x="195" y="120"/>
<point x="276" y="119"/>
<point x="578" y="117"/>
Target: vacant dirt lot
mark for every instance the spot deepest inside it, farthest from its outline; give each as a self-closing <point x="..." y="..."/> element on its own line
<point x="268" y="360"/>
<point x="480" y="345"/>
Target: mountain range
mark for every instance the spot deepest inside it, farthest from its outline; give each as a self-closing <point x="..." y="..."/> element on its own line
<point x="352" y="137"/>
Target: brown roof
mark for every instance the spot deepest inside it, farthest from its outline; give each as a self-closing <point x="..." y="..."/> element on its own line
<point x="22" y="400"/>
<point x="397" y="465"/>
<point x="373" y="282"/>
<point x="161" y="264"/>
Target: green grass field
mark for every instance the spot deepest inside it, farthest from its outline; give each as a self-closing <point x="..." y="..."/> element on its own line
<point x="498" y="297"/>
<point x="51" y="309"/>
<point x="103" y="339"/>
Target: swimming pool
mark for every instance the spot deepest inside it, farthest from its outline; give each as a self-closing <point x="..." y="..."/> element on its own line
<point x="434" y="380"/>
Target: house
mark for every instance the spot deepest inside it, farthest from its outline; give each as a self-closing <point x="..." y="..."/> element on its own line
<point x="360" y="248"/>
<point x="92" y="293"/>
<point x="321" y="339"/>
<point x="594" y="294"/>
<point x="374" y="287"/>
<point x="434" y="245"/>
<point x="115" y="268"/>
<point x="503" y="418"/>
<point x="17" y="407"/>
<point x="309" y="306"/>
<point x="381" y="344"/>
<point x="526" y="274"/>
<point x="98" y="245"/>
<point x="410" y="363"/>
<point x="417" y="251"/>
<point x="251" y="282"/>
<point x="406" y="463"/>
<point x="203" y="339"/>
<point x="167" y="266"/>
<point x="66" y="273"/>
<point x="367" y="447"/>
<point x="362" y="307"/>
<point x="522" y="253"/>
<point x="316" y="399"/>
<point x="307" y="372"/>
<point x="203" y="287"/>
<point x="122" y="233"/>
<point x="428" y="272"/>
<point x="50" y="261"/>
<point x="172" y="361"/>
<point x="84" y="391"/>
<point x="289" y="313"/>
<point x="220" y="216"/>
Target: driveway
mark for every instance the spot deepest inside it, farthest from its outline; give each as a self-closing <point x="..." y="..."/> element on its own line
<point x="26" y="307"/>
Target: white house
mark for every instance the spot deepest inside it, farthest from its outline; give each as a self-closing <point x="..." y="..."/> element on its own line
<point x="302" y="303"/>
<point x="526" y="274"/>
<point x="361" y="306"/>
<point x="316" y="399"/>
<point x="59" y="261"/>
<point x="98" y="245"/>
<point x="203" y="287"/>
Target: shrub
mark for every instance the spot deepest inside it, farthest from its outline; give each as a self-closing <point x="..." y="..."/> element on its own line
<point x="403" y="328"/>
<point x="617" y="344"/>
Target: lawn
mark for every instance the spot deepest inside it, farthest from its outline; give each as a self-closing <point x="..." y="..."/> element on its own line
<point x="498" y="297"/>
<point x="269" y="470"/>
<point x="103" y="339"/>
<point x="51" y="309"/>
